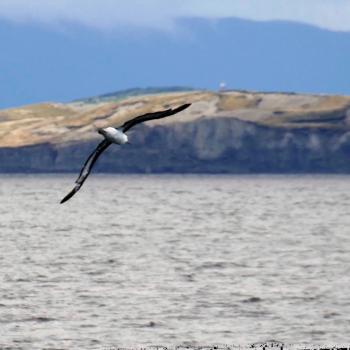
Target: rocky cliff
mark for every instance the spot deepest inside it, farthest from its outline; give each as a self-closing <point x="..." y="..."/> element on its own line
<point x="227" y="132"/>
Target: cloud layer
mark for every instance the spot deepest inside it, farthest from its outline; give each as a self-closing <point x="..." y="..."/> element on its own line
<point x="162" y="14"/>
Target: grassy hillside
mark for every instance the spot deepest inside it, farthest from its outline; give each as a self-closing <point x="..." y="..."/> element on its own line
<point x="60" y="123"/>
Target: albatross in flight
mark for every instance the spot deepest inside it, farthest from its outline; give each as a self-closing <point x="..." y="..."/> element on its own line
<point x="118" y="136"/>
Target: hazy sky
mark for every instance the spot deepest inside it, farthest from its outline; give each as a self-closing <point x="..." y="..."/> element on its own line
<point x="60" y="50"/>
<point x="162" y="14"/>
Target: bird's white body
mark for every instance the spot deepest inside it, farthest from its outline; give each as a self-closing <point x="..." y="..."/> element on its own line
<point x="114" y="135"/>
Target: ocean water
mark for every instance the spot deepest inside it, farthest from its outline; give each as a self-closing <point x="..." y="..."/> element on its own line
<point x="170" y="260"/>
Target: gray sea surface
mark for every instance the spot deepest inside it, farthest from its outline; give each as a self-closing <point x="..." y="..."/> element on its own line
<point x="145" y="260"/>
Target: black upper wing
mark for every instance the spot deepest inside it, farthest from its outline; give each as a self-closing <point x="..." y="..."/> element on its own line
<point x="149" y="116"/>
<point x="85" y="171"/>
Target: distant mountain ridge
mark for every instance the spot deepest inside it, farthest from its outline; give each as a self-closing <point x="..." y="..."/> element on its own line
<point x="41" y="63"/>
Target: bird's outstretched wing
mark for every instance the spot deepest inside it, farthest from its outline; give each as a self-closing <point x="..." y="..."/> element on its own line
<point x="85" y="171"/>
<point x="149" y="116"/>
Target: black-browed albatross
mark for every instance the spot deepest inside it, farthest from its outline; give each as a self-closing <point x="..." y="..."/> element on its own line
<point x="116" y="135"/>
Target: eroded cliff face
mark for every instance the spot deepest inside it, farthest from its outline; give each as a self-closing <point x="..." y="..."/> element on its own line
<point x="231" y="132"/>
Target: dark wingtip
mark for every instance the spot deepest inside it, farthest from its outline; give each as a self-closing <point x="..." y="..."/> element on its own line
<point x="64" y="200"/>
<point x="68" y="196"/>
<point x="182" y="107"/>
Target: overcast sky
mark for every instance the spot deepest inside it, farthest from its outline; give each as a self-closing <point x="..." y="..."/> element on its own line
<point x="162" y="14"/>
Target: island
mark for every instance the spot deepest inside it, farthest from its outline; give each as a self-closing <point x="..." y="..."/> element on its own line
<point x="221" y="132"/>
